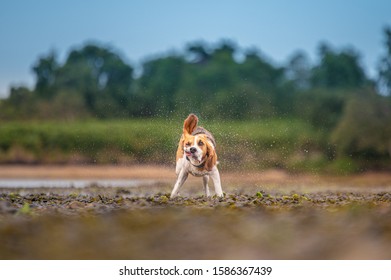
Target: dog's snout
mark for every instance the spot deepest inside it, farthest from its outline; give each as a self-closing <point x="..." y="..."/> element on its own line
<point x="193" y="150"/>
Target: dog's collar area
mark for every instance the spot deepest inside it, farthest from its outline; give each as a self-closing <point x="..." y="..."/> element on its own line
<point x="197" y="166"/>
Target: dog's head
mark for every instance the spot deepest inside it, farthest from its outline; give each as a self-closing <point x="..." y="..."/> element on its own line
<point x="198" y="148"/>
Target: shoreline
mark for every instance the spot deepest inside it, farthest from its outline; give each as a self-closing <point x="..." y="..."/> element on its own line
<point x="167" y="174"/>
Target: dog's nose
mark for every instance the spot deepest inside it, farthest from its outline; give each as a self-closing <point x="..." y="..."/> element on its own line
<point x="193" y="150"/>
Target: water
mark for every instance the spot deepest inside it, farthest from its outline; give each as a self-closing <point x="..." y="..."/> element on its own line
<point x="67" y="183"/>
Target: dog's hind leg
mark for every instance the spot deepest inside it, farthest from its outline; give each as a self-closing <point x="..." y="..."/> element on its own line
<point x="205" y="181"/>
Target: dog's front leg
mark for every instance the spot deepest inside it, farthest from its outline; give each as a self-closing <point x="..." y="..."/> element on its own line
<point x="215" y="175"/>
<point x="205" y="181"/>
<point x="179" y="182"/>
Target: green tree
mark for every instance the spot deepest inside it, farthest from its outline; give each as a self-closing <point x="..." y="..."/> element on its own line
<point x="338" y="69"/>
<point x="365" y="128"/>
<point x="266" y="82"/>
<point x="197" y="53"/>
<point x="204" y="84"/>
<point x="101" y="77"/>
<point x="65" y="105"/>
<point x="45" y="73"/>
<point x="257" y="70"/>
<point x="384" y="67"/>
<point x="336" y="78"/>
<point x="19" y="105"/>
<point x="298" y="70"/>
<point x="321" y="107"/>
<point x="160" y="80"/>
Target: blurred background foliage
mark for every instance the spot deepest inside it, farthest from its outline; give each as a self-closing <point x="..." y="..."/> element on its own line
<point x="327" y="116"/>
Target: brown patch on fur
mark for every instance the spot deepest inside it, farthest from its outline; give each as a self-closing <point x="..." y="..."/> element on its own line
<point x="212" y="157"/>
<point x="180" y="151"/>
<point x="190" y="124"/>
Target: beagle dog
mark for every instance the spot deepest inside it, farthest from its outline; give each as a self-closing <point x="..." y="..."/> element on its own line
<point x="196" y="155"/>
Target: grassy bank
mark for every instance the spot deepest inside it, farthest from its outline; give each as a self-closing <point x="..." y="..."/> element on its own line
<point x="290" y="144"/>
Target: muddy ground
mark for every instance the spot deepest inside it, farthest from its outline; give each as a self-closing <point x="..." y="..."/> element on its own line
<point x="264" y="215"/>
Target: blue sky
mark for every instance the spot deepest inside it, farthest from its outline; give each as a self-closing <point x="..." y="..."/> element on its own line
<point x="141" y="28"/>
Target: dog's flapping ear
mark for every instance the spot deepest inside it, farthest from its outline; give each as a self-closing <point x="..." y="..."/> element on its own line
<point x="190" y="124"/>
<point x="212" y="157"/>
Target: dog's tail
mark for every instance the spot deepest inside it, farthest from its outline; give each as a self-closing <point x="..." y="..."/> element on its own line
<point x="190" y="124"/>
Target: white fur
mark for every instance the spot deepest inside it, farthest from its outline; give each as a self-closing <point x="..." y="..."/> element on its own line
<point x="184" y="167"/>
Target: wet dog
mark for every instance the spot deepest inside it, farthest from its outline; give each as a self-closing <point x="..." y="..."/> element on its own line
<point x="196" y="155"/>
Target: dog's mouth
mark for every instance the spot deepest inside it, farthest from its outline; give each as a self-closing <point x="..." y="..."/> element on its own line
<point x="188" y="154"/>
<point x="191" y="155"/>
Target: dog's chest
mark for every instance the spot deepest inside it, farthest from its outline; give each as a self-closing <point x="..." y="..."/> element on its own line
<point x="197" y="172"/>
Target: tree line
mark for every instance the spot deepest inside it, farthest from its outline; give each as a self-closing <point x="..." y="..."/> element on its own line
<point x="218" y="82"/>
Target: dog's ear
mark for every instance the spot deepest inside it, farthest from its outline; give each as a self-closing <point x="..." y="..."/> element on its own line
<point x="190" y="124"/>
<point x="212" y="157"/>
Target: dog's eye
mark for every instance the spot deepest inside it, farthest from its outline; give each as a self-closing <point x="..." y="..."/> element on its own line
<point x="188" y="144"/>
<point x="200" y="143"/>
